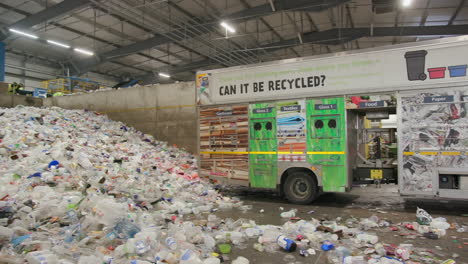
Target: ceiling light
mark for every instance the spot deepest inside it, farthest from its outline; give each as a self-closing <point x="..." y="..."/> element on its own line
<point x="228" y="27"/>
<point x="165" y="75"/>
<point x="406" y="3"/>
<point x="58" y="44"/>
<point x="86" y="52"/>
<point x="24" y="33"/>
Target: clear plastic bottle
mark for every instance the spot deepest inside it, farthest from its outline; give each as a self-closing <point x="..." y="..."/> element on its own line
<point x="41" y="257"/>
<point x="289" y="214"/>
<point x="212" y="260"/>
<point x="171" y="243"/>
<point x="368" y="238"/>
<point x="241" y="260"/>
<point x="189" y="257"/>
<point x="354" y="260"/>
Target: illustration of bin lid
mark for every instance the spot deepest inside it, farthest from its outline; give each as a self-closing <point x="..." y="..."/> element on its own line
<point x="437" y="69"/>
<point x="417" y="53"/>
<point x="458" y="67"/>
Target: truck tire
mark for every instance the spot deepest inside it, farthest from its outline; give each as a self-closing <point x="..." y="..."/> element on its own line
<point x="300" y="187"/>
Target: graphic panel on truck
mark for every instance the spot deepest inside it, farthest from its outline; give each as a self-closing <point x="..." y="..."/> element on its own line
<point x="263" y="145"/>
<point x="326" y="141"/>
<point x="291" y="118"/>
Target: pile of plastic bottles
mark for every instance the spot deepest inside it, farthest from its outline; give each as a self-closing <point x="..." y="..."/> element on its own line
<point x="76" y="187"/>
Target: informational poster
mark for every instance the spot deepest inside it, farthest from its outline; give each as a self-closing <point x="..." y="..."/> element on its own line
<point x="404" y="67"/>
<point x="291" y="132"/>
<point x="433" y="136"/>
<point x="224" y="142"/>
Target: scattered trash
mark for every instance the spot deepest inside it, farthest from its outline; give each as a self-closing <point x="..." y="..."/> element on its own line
<point x="289" y="258"/>
<point x="286" y="243"/>
<point x="80" y="188"/>
<point x="240" y="260"/>
<point x="327" y="245"/>
<point x="224" y="248"/>
<point x="431" y="235"/>
<point x="423" y="217"/>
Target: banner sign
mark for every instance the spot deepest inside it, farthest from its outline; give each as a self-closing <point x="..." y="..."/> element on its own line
<point x="224" y="113"/>
<point x="404" y="67"/>
<point x="325" y="107"/>
<point x="438" y="99"/>
<point x="263" y="110"/>
<point x="371" y="104"/>
<point x="290" y="108"/>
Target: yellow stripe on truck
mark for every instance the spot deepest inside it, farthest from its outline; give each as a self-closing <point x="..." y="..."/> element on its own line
<point x="274" y="152"/>
<point x="430" y="153"/>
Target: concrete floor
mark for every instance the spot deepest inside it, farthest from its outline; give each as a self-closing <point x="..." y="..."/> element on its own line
<point x="360" y="203"/>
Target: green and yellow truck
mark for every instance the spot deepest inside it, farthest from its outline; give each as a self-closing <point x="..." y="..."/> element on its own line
<point x="311" y="125"/>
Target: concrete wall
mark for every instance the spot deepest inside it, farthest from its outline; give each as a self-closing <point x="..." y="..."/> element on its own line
<point x="166" y="111"/>
<point x="9" y="100"/>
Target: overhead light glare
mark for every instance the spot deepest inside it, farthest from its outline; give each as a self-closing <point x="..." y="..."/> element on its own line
<point x="406" y="3"/>
<point x="85" y="52"/>
<point x="23" y="33"/>
<point x="165" y="75"/>
<point x="58" y="44"/>
<point x="228" y="27"/>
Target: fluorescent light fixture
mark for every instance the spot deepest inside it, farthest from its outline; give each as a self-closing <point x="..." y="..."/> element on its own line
<point x="406" y="3"/>
<point x="228" y="27"/>
<point x="23" y="33"/>
<point x="58" y="44"/>
<point x="85" y="52"/>
<point x="165" y="75"/>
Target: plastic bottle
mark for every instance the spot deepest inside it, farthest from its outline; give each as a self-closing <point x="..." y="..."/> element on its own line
<point x="289" y="214"/>
<point x="241" y="260"/>
<point x="209" y="242"/>
<point x="354" y="260"/>
<point x="252" y="232"/>
<point x="212" y="260"/>
<point x="41" y="257"/>
<point x="189" y="257"/>
<point x="367" y="238"/>
<point x="287" y="244"/>
<point x="440" y="223"/>
<point x="161" y="255"/>
<point x="171" y="243"/>
<point x="137" y="261"/>
<point x="269" y="236"/>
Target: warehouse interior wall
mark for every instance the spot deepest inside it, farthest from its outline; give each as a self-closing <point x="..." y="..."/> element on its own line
<point x="167" y="112"/>
<point x="31" y="72"/>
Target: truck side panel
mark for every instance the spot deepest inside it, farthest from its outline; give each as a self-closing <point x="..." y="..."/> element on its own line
<point x="263" y="157"/>
<point x="326" y="141"/>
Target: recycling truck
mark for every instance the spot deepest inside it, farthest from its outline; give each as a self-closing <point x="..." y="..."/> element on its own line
<point x="319" y="124"/>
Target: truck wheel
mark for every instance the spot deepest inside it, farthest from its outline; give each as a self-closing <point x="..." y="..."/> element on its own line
<point x="300" y="188"/>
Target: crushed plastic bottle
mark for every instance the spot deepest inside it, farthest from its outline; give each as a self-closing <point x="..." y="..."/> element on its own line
<point x="289" y="214"/>
<point x="241" y="260"/>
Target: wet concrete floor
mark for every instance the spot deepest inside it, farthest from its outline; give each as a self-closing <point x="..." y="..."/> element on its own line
<point x="360" y="203"/>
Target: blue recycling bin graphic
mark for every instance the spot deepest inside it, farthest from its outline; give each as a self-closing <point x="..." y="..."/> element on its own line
<point x="458" y="71"/>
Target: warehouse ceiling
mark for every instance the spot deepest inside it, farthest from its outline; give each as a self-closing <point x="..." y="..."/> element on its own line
<point x="141" y="38"/>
